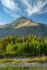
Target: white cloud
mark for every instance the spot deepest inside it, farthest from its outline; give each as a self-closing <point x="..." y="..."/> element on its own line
<point x="35" y="6"/>
<point x="12" y="13"/>
<point x="11" y="7"/>
<point x="9" y="4"/>
<point x="28" y="7"/>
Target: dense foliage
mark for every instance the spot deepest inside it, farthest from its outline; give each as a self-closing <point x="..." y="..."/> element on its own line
<point x="24" y="46"/>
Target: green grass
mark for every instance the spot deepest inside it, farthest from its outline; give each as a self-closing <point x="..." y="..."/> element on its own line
<point x="22" y="68"/>
<point x="39" y="69"/>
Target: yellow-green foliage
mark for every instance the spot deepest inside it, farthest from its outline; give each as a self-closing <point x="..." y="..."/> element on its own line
<point x="24" y="46"/>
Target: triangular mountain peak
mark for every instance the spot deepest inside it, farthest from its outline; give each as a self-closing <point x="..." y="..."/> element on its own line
<point x="23" y="21"/>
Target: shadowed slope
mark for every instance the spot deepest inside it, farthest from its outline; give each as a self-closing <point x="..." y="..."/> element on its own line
<point x="23" y="27"/>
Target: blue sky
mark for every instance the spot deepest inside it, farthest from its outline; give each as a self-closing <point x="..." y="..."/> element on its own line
<point x="35" y="10"/>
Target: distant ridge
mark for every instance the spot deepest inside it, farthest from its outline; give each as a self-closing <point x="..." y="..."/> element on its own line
<point x="23" y="27"/>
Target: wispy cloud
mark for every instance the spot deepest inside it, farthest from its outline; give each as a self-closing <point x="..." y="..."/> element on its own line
<point x="35" y="6"/>
<point x="10" y="4"/>
<point x="28" y="7"/>
<point x="11" y="7"/>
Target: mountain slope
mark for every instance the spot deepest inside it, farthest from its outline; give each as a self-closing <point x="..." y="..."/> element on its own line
<point x="23" y="27"/>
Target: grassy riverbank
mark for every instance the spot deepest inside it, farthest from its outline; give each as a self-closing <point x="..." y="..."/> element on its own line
<point x="42" y="59"/>
<point x="30" y="63"/>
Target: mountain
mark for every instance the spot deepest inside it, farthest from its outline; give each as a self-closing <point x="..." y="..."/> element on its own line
<point x="23" y="27"/>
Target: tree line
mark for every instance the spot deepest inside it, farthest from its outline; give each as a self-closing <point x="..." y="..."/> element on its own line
<point x="24" y="46"/>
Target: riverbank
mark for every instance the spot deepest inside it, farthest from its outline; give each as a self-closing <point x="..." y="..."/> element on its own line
<point x="20" y="63"/>
<point x="32" y="60"/>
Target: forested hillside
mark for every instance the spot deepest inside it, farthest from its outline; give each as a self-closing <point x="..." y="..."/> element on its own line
<point x="24" y="46"/>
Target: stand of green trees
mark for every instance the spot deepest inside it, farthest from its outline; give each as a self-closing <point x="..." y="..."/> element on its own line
<point x="24" y="46"/>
